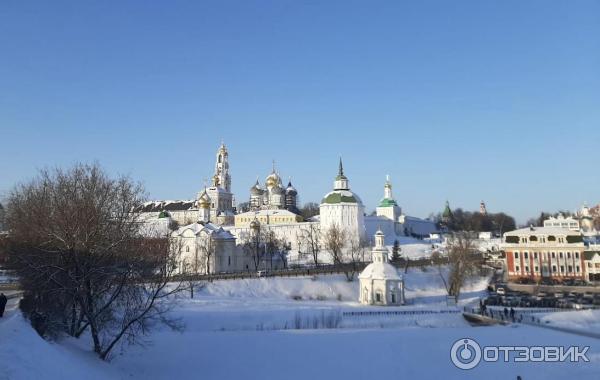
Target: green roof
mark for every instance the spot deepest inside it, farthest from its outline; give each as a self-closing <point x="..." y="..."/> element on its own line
<point x="336" y="197"/>
<point x="387" y="202"/>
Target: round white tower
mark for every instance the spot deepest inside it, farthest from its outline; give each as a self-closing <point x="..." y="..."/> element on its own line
<point x="342" y="208"/>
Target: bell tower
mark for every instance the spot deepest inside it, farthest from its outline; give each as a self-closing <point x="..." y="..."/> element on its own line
<point x="222" y="178"/>
<point x="387" y="189"/>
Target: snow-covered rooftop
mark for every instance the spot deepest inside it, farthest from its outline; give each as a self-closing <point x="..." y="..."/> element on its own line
<point x="156" y="206"/>
<point x="542" y="231"/>
<point x="380" y="271"/>
<point x="209" y="228"/>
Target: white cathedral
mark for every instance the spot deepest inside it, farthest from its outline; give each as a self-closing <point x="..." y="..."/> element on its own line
<point x="212" y="215"/>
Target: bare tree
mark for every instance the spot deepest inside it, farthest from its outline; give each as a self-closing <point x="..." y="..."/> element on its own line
<point x="346" y="254"/>
<point x="334" y="241"/>
<point x="191" y="267"/>
<point x="461" y="264"/>
<point x="82" y="263"/>
<point x="205" y="248"/>
<point x="173" y="225"/>
<point x="354" y="254"/>
<point x="396" y="257"/>
<point x="309" y="210"/>
<point x="309" y="241"/>
<point x="253" y="247"/>
<point x="271" y="244"/>
<point x="283" y="250"/>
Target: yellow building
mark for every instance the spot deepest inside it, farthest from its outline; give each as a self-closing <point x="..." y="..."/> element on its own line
<point x="266" y="217"/>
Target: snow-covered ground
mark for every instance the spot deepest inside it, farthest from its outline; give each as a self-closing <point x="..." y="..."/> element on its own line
<point x="248" y="329"/>
<point x="585" y="320"/>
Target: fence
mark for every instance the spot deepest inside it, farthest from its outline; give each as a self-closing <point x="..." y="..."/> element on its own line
<point x="315" y="270"/>
<point x="397" y="312"/>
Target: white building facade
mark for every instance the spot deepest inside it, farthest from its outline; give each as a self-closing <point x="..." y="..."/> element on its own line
<point x="393" y="223"/>
<point x="207" y="248"/>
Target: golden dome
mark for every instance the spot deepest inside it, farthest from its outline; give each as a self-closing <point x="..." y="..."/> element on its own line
<point x="272" y="180"/>
<point x="204" y="200"/>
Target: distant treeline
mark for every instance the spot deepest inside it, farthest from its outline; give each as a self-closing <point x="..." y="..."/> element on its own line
<point x="461" y="220"/>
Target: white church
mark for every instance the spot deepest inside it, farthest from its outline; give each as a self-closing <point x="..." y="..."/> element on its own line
<point x="380" y="283"/>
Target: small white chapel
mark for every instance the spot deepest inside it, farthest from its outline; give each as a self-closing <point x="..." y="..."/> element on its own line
<point x="380" y="283"/>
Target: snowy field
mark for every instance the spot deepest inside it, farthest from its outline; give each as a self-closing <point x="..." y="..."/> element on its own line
<point x="582" y="320"/>
<point x="248" y="329"/>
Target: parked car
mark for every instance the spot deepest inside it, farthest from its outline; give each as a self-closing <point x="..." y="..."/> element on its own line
<point x="526" y="281"/>
<point x="500" y="291"/>
<point x="550" y="281"/>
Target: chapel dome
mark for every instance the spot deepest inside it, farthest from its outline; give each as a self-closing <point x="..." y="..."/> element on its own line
<point x="291" y="189"/>
<point x="380" y="271"/>
<point x="204" y="200"/>
<point x="256" y="190"/>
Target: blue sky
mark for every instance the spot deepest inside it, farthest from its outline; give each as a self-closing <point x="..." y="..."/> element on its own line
<point x="461" y="100"/>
